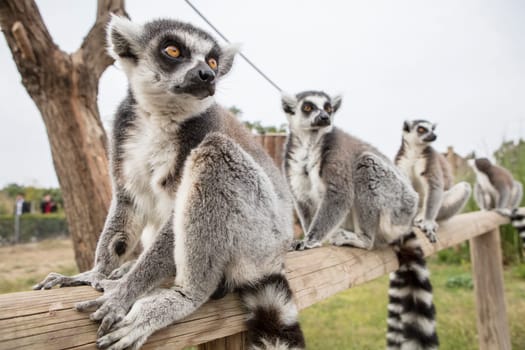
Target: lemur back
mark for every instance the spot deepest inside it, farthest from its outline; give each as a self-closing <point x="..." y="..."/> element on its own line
<point x="431" y="176"/>
<point x="213" y="212"/>
<point x="347" y="192"/>
<point x="496" y="188"/>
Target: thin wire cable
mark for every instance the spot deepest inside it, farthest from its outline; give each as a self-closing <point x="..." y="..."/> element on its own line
<point x="226" y="39"/>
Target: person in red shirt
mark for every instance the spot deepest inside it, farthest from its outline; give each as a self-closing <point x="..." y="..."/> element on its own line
<point x="48" y="205"/>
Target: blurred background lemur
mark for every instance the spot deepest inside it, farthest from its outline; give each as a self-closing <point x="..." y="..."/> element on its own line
<point x="431" y="176"/>
<point x="191" y="183"/>
<point x="496" y="189"/>
<point x="347" y="192"/>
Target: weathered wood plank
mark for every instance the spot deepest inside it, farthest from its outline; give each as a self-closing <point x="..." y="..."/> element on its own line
<point x="46" y="320"/>
<point x="493" y="328"/>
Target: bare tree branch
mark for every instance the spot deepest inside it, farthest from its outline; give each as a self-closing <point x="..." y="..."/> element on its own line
<point x="93" y="48"/>
<point x="29" y="36"/>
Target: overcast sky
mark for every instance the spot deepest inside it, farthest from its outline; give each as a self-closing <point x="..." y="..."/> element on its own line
<point x="458" y="63"/>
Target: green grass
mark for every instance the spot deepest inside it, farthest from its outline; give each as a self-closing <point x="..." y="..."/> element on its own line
<point x="356" y="319"/>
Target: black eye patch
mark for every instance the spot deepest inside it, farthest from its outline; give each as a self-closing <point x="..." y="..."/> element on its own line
<point x="422" y="130"/>
<point x="308" y="107"/>
<point x="167" y="62"/>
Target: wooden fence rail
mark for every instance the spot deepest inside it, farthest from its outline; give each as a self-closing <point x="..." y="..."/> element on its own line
<point x="46" y="320"/>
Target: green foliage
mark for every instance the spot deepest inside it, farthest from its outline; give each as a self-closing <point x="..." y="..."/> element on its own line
<point x="461" y="281"/>
<point x="33" y="226"/>
<point x="455" y="256"/>
<point x="519" y="271"/>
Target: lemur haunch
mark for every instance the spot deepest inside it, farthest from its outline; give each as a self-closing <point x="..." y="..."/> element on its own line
<point x="208" y="203"/>
<point x="431" y="176"/>
<point x="496" y="189"/>
<point x="348" y="192"/>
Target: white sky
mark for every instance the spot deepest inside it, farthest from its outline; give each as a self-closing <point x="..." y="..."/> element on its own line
<point x="458" y="63"/>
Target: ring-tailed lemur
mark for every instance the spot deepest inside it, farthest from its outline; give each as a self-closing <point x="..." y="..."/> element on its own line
<point x="496" y="189"/>
<point x="347" y="191"/>
<point x="431" y="176"/>
<point x="217" y="212"/>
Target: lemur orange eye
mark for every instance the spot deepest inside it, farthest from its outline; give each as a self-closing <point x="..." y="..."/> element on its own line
<point x="212" y="62"/>
<point x="307" y="108"/>
<point x="172" y="51"/>
<point x="421" y="130"/>
<point x="328" y="109"/>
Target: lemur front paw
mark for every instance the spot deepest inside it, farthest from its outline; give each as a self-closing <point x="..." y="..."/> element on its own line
<point x="131" y="332"/>
<point x="110" y="309"/>
<point x="305" y="244"/>
<point x="56" y="279"/>
<point x="429" y="228"/>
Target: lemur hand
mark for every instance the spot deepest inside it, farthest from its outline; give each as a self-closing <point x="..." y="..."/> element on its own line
<point x="305" y="244"/>
<point x="135" y="328"/>
<point x="429" y="228"/>
<point x="110" y="308"/>
<point x="92" y="277"/>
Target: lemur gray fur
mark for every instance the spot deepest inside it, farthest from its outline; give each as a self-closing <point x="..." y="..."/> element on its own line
<point x="346" y="191"/>
<point x="496" y="189"/>
<point x="431" y="176"/>
<point x="208" y="203"/>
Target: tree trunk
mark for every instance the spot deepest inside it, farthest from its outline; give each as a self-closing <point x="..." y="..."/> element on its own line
<point x="64" y="87"/>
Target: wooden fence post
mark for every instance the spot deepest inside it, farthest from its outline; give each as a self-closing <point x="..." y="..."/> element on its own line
<point x="493" y="329"/>
<point x="233" y="342"/>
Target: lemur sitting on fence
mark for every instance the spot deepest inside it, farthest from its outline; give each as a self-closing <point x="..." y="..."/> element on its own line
<point x="431" y="176"/>
<point x="496" y="189"/>
<point x="346" y="191"/>
<point x="208" y="203"/>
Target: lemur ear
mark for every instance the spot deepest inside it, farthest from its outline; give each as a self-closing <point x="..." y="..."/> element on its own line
<point x="227" y="57"/>
<point x="289" y="102"/>
<point x="122" y="38"/>
<point x="336" y="102"/>
<point x="406" y="126"/>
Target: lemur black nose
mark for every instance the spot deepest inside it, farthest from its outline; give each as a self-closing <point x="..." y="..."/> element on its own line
<point x="206" y="75"/>
<point x="324" y="116"/>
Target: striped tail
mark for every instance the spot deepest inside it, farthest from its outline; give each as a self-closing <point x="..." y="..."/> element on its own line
<point x="518" y="221"/>
<point x="411" y="311"/>
<point x="272" y="321"/>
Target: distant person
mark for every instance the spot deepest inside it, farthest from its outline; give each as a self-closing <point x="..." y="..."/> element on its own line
<point x="47" y="205"/>
<point x="21" y="205"/>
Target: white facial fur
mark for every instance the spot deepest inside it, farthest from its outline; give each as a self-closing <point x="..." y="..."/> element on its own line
<point x="301" y="121"/>
<point x="153" y="86"/>
<point x="413" y="138"/>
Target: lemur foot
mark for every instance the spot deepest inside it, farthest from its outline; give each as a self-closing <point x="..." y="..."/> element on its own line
<point x="299" y="244"/>
<point x="120" y="271"/>
<point x="85" y="278"/>
<point x="429" y="228"/>
<point x="110" y="308"/>
<point x="504" y="212"/>
<point x="352" y="239"/>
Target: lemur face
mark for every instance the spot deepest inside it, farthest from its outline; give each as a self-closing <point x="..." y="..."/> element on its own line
<point x="168" y="59"/>
<point x="310" y="110"/>
<point x="419" y="132"/>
